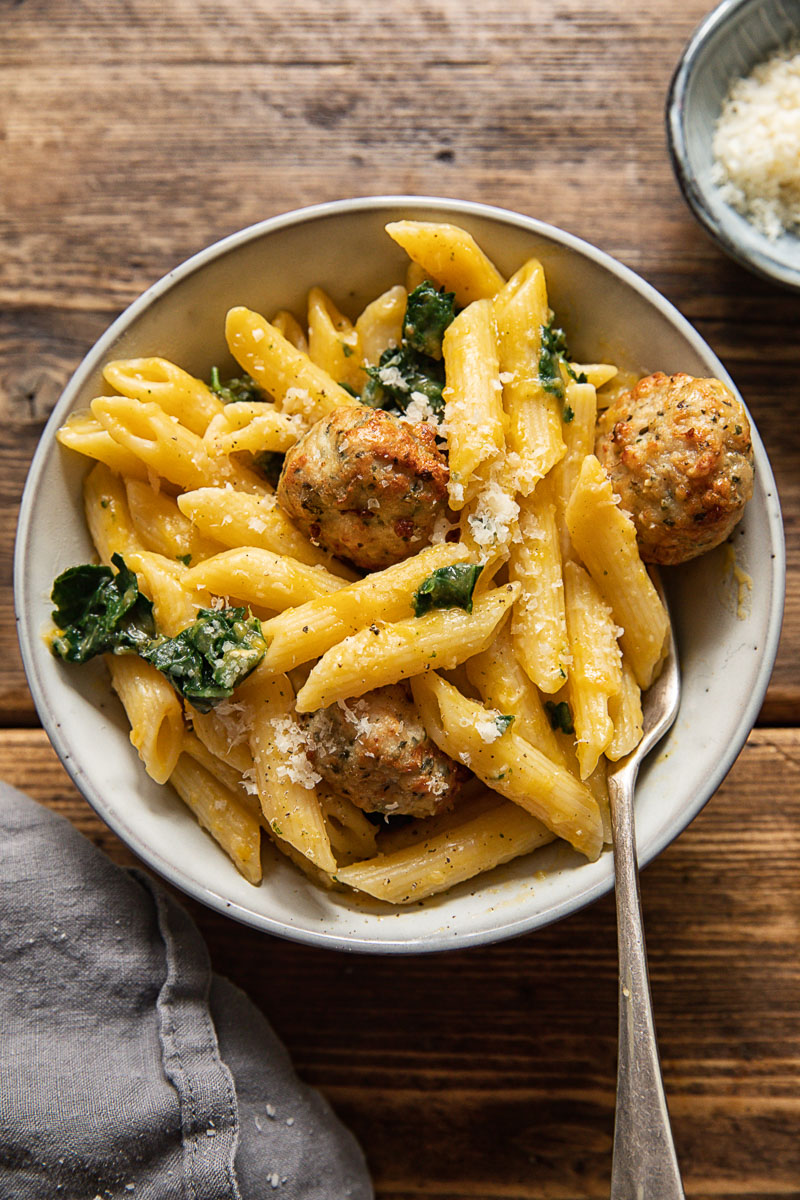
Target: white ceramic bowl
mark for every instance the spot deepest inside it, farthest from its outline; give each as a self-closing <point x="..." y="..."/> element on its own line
<point x="727" y="44"/>
<point x="608" y="313"/>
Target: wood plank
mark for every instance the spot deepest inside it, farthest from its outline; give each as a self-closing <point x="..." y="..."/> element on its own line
<point x="497" y="1064"/>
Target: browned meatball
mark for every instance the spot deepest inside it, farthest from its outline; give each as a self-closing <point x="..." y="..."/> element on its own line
<point x="375" y="750"/>
<point x="365" y="486"/>
<point x="679" y="454"/>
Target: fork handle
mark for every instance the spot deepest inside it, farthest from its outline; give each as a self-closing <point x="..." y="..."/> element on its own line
<point x="644" y="1165"/>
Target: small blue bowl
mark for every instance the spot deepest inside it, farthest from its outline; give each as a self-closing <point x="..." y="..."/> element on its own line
<point x="731" y="40"/>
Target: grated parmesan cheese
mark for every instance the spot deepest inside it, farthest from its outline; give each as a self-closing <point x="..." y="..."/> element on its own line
<point x="757" y="145"/>
<point x="419" y="409"/>
<point x="488" y="728"/>
<point x="494" y="520"/>
<point x="288" y="738"/>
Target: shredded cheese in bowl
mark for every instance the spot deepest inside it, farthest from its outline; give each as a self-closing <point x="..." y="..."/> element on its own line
<point x="757" y="145"/>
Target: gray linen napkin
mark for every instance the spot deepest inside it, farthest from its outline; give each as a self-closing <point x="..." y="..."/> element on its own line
<point x="127" y="1070"/>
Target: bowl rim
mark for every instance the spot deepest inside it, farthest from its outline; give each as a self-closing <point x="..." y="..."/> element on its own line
<point x="172" y="871"/>
<point x="762" y="264"/>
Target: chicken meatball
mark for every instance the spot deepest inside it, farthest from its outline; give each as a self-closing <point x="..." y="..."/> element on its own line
<point x="679" y="454"/>
<point x="365" y="486"/>
<point x="375" y="750"/>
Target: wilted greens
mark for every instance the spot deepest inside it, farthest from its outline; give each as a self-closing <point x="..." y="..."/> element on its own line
<point x="447" y="587"/>
<point x="414" y="368"/>
<point x="99" y="612"/>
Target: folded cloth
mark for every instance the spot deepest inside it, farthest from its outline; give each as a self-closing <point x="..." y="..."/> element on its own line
<point x="127" y="1070"/>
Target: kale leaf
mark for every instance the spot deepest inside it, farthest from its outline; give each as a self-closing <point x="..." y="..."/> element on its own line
<point x="429" y="311"/>
<point x="447" y="587"/>
<point x="208" y="659"/>
<point x="242" y="387"/>
<point x="97" y="612"/>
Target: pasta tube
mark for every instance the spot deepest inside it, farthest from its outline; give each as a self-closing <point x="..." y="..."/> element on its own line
<point x="539" y="624"/>
<point x="288" y="375"/>
<point x="473" y="401"/>
<point x="450" y="857"/>
<point x="153" y="710"/>
<point x="534" y="419"/>
<point x="508" y="764"/>
<point x="303" y="633"/>
<point x="449" y="255"/>
<point x="384" y="654"/>
<point x="260" y="577"/>
<point x="596" y="671"/>
<point x="605" y="538"/>
<point x="222" y="814"/>
<point x="283" y="775"/>
<point x="175" y="390"/>
<point x="237" y="518"/>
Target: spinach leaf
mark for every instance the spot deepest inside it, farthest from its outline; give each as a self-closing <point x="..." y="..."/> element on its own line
<point x="401" y="374"/>
<point x="552" y="355"/>
<point x="97" y="612"/>
<point x="559" y="715"/>
<point x="242" y="387"/>
<point x="428" y="313"/>
<point x="415" y="367"/>
<point x="447" y="587"/>
<point x="553" y="351"/>
<point x="208" y="659"/>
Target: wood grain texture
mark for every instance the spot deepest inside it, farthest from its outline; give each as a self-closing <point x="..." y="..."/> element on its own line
<point x="489" y="1073"/>
<point x="133" y="134"/>
<point x="130" y="141"/>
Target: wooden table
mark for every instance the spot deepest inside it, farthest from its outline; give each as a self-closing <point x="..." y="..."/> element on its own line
<point x="132" y="135"/>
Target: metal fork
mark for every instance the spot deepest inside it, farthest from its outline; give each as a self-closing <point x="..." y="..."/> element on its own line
<point x="644" y="1165"/>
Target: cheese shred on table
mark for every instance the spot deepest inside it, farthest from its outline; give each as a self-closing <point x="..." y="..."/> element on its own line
<point x="757" y="145"/>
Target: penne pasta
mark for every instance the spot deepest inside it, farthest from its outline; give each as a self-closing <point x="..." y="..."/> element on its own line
<point x="380" y="325"/>
<point x="449" y="255"/>
<point x="252" y="427"/>
<point x="474" y="414"/>
<point x="305" y="633"/>
<point x="539" y="624"/>
<point x="153" y="710"/>
<point x="175" y="390"/>
<point x="440" y="862"/>
<point x="220" y="811"/>
<point x="333" y="341"/>
<point x="166" y="447"/>
<point x="533" y="434"/>
<point x="284" y="777"/>
<point x="161" y="526"/>
<point x="83" y="433"/>
<point x="382" y="654"/>
<point x="236" y="519"/>
<point x="504" y="685"/>
<point x="258" y="576"/>
<point x="605" y="538"/>
<point x="596" y="672"/>
<point x="505" y="762"/>
<point x="287" y="374"/>
<point x="107" y="514"/>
